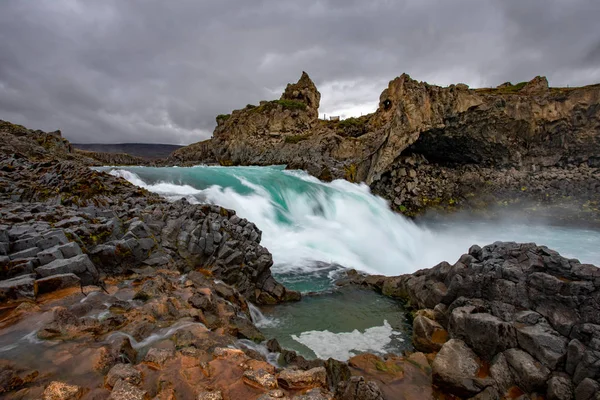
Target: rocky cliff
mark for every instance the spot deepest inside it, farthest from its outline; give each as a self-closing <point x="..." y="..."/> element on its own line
<point x="525" y="128"/>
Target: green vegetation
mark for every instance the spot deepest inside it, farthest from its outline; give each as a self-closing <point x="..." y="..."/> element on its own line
<point x="351" y="123"/>
<point x="290" y="104"/>
<point x="513" y="88"/>
<point x="223" y="118"/>
<point x="350" y="172"/>
<point x="388" y="367"/>
<point x="296" y="138"/>
<point x="250" y="106"/>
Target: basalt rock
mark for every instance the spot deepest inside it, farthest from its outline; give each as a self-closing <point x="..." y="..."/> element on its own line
<point x="519" y="318"/>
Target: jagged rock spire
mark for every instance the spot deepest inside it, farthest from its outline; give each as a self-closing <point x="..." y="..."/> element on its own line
<point x="305" y="91"/>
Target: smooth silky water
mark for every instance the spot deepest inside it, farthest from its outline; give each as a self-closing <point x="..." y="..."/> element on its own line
<point x="315" y="229"/>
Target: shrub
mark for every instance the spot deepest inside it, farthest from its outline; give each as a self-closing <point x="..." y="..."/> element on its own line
<point x="223" y="117"/>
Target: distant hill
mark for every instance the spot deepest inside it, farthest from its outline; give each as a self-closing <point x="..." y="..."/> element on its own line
<point x="144" y="150"/>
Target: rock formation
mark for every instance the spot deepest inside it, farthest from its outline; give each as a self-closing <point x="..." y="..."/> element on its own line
<point x="506" y="318"/>
<point x="545" y="133"/>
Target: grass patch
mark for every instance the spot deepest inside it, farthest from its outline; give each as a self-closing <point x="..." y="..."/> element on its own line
<point x="296" y="138"/>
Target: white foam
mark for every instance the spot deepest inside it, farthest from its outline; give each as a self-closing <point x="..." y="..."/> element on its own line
<point x="344" y="345"/>
<point x="341" y="223"/>
<point x="161" y="334"/>
<point x="259" y="319"/>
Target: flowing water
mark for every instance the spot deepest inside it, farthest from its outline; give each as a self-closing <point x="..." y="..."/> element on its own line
<point x="315" y="229"/>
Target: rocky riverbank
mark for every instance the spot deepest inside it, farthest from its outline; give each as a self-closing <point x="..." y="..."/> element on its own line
<point x="504" y="321"/>
<point x="110" y="292"/>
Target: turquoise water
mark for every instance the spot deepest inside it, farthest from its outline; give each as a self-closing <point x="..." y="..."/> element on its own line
<point x="314" y="230"/>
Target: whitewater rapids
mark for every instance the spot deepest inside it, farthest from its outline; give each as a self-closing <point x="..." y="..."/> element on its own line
<point x="308" y="224"/>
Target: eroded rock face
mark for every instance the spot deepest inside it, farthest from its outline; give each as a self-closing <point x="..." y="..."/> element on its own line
<point x="528" y="128"/>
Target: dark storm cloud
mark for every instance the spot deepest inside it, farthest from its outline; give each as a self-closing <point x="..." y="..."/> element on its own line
<point x="158" y="71"/>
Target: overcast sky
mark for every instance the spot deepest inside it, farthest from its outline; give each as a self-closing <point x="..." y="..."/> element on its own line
<point x="112" y="71"/>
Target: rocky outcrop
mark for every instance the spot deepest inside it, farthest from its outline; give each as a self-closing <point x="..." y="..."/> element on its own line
<point x="59" y="218"/>
<point x="528" y="128"/>
<point x="506" y="317"/>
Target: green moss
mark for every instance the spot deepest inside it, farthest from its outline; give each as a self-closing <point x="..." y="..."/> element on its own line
<point x="383" y="367"/>
<point x="296" y="138"/>
<point x="226" y="163"/>
<point x="350" y="172"/>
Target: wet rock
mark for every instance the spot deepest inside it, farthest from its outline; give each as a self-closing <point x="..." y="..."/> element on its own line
<point x="62" y="391"/>
<point x="57" y="282"/>
<point x="79" y="265"/>
<point x="126" y="391"/>
<point x="123" y="371"/>
<point x="122" y="350"/>
<point x="428" y="335"/>
<point x="529" y="373"/>
<point x="456" y="369"/>
<point x="158" y="356"/>
<point x="213" y="395"/>
<point x="19" y="287"/>
<point x="297" y="379"/>
<point x="12" y="377"/>
<point x="260" y="379"/>
<point x="337" y="372"/>
<point x="356" y="388"/>
<point x="273" y="346"/>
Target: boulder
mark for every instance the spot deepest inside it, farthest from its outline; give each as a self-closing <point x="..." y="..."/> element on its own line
<point x="456" y="369"/>
<point x="356" y="388"/>
<point x="486" y="334"/>
<point x="79" y="265"/>
<point x="260" y="379"/>
<point x="428" y="336"/>
<point x="62" y="391"/>
<point x="296" y="379"/>
<point x="57" y="282"/>
<point x="560" y="387"/>
<point x="125" y="372"/>
<point x="587" y="389"/>
<point x="124" y="390"/>
<point x="544" y="343"/>
<point x="23" y="286"/>
<point x="529" y="374"/>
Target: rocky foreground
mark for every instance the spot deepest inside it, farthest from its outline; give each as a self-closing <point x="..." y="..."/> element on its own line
<point x="428" y="146"/>
<point x="110" y="292"/>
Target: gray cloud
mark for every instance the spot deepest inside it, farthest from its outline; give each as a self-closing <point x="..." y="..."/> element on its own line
<point x="155" y="71"/>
